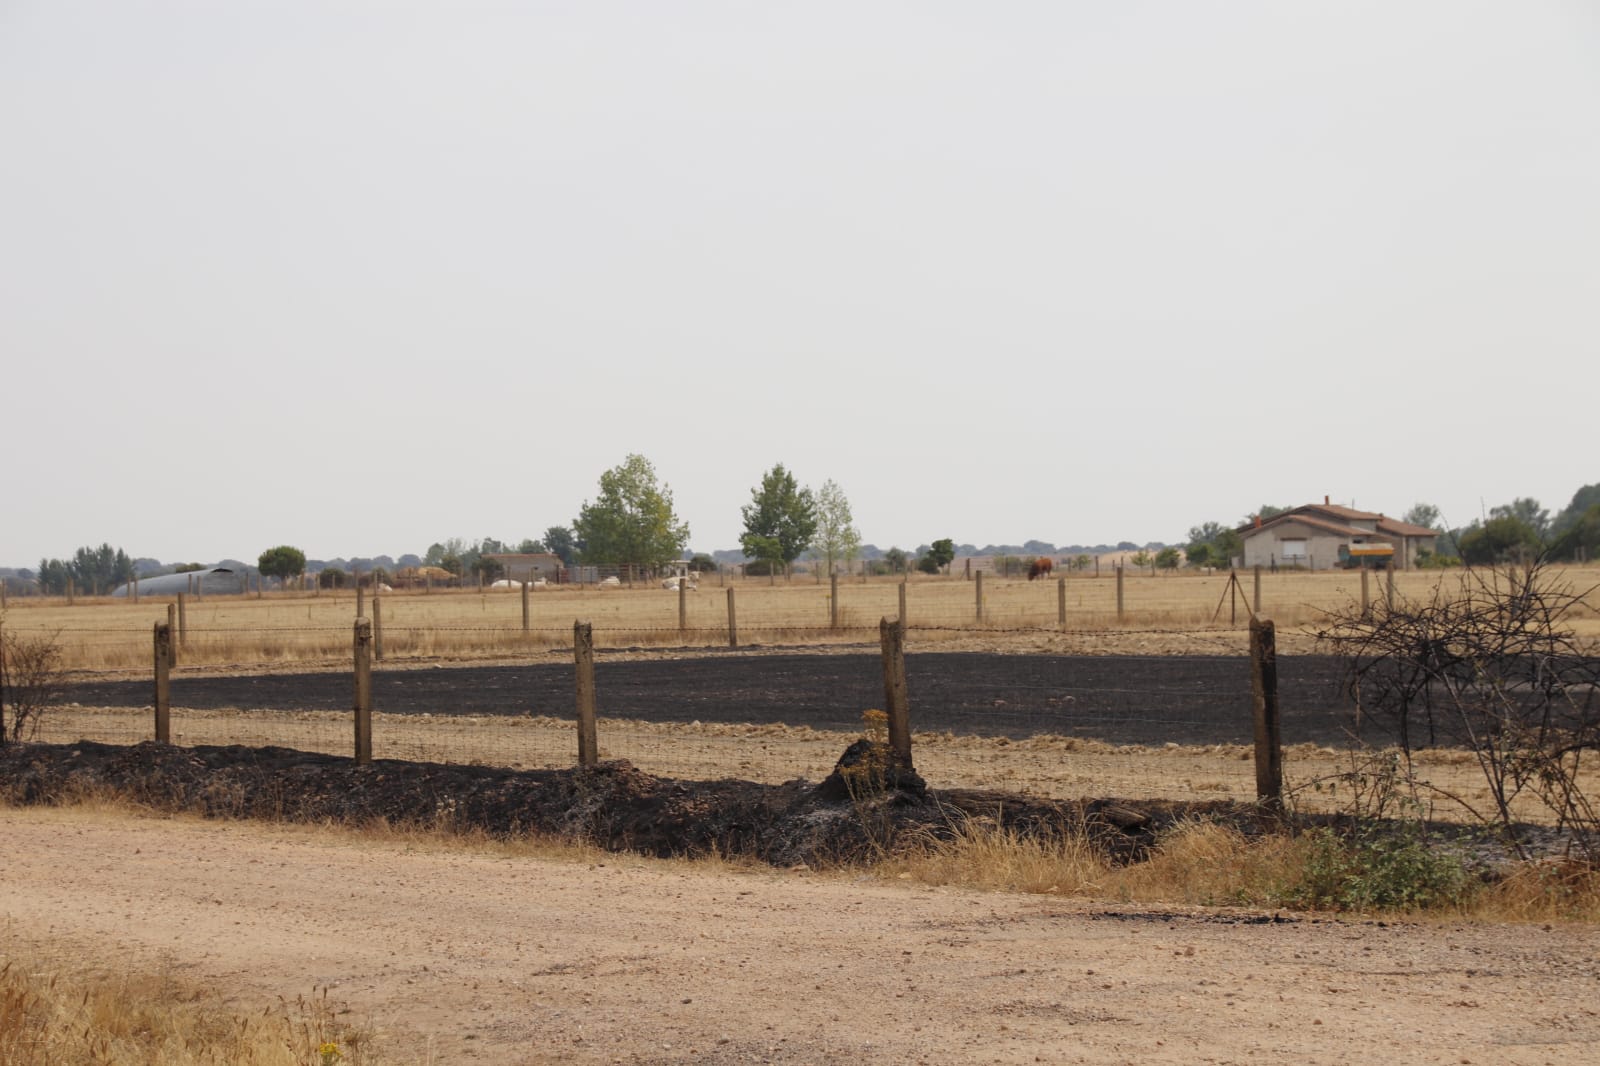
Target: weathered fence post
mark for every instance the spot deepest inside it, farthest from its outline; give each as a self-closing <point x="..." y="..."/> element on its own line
<point x="361" y="598"/>
<point x="1120" y="601"/>
<point x="134" y="589"/>
<point x="891" y="635"/>
<point x="833" y="601"/>
<point x="1233" y="597"/>
<point x="525" y="585"/>
<point x="583" y="658"/>
<point x="363" y="708"/>
<point x="71" y="588"/>
<point x="903" y="622"/>
<point x="977" y="598"/>
<point x="183" y="623"/>
<point x="733" y="622"/>
<point x="683" y="603"/>
<point x="1366" y="601"/>
<point x="1061" y="603"/>
<point x="163" y="693"/>
<point x="1269" y="736"/>
<point x="172" y="627"/>
<point x="377" y="627"/>
<point x="1388" y="587"/>
<point x="1258" y="589"/>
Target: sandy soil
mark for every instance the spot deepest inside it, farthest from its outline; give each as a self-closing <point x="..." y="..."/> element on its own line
<point x="462" y="956"/>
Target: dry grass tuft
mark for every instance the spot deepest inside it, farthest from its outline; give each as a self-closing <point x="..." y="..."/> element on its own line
<point x="53" y="1013"/>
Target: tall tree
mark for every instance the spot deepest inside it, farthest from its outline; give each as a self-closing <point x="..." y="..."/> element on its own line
<point x="558" y="541"/>
<point x="631" y="522"/>
<point x="282" y="562"/>
<point x="781" y="511"/>
<point x="1526" y="510"/>
<point x="837" y="539"/>
<point x="940" y="554"/>
<point x="1421" y="514"/>
<point x="1578" y="510"/>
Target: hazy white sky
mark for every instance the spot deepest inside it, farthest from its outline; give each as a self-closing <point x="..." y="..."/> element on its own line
<point x="359" y="277"/>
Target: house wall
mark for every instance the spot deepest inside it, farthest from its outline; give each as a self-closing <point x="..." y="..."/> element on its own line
<point x="1322" y="547"/>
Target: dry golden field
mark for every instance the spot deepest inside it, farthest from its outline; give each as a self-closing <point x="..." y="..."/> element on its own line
<point x="1182" y="612"/>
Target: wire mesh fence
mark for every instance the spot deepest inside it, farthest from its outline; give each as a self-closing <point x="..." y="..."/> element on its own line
<point x="1175" y="726"/>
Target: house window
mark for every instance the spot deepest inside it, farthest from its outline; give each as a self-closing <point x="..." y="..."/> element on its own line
<point x="1293" y="548"/>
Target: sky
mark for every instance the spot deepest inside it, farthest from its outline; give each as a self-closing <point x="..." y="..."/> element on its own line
<point x="361" y="277"/>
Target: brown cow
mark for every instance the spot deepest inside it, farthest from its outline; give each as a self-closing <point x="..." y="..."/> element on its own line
<point x="1040" y="567"/>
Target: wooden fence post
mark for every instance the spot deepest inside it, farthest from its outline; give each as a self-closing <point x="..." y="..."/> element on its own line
<point x="363" y="701"/>
<point x="1388" y="588"/>
<point x="1061" y="603"/>
<point x="978" y="598"/>
<point x="1258" y="589"/>
<point x="733" y="622"/>
<point x="1269" y="736"/>
<point x="1120" y="601"/>
<point x="71" y="588"/>
<point x="135" y="591"/>
<point x="172" y="627"/>
<point x="525" y="585"/>
<point x="683" y="604"/>
<point x="903" y="622"/>
<point x="377" y="627"/>
<point x="1366" y="601"/>
<point x="163" y="693"/>
<point x="583" y="658"/>
<point x="361" y="598"/>
<point x="891" y="635"/>
<point x="183" y="624"/>
<point x="833" y="601"/>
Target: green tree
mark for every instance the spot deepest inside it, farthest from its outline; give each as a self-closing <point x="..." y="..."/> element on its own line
<point x="558" y="541"/>
<point x="837" y="539"/>
<point x="1143" y="559"/>
<point x="1580" y="539"/>
<point x="529" y="546"/>
<point x="1425" y="515"/>
<point x="768" y="553"/>
<point x="701" y="563"/>
<point x="631" y="522"/>
<point x="941" y="553"/>
<point x="1578" y="510"/>
<point x="779" y="510"/>
<point x="1168" y="559"/>
<point x="1213" y="544"/>
<point x="1504" y="538"/>
<point x="897" y="561"/>
<point x="1527" y="511"/>
<point x="282" y="562"/>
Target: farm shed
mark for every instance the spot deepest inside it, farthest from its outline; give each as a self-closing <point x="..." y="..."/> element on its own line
<point x="218" y="581"/>
<point x="1318" y="536"/>
<point x="528" y="566"/>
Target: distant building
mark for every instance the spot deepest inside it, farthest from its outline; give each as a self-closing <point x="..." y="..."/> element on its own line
<point x="218" y="581"/>
<point x="528" y="566"/>
<point x="1326" y="536"/>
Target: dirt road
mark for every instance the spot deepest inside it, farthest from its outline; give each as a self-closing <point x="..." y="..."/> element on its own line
<point x="478" y="957"/>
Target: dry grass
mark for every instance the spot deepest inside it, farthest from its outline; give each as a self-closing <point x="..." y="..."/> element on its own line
<point x="1207" y="864"/>
<point x="298" y="628"/>
<point x="54" y="1011"/>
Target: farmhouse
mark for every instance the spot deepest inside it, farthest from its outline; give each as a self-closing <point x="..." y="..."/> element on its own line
<point x="1323" y="536"/>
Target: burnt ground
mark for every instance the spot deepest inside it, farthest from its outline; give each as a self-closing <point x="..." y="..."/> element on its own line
<point x="614" y="805"/>
<point x="1115" y="699"/>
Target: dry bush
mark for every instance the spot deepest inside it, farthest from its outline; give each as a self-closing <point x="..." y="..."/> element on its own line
<point x="1493" y="667"/>
<point x="32" y="678"/>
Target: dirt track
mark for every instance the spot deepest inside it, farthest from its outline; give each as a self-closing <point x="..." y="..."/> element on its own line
<point x="1116" y="699"/>
<point x="473" y="957"/>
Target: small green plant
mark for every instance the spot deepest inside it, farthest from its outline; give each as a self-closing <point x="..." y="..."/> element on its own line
<point x="1379" y="868"/>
